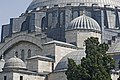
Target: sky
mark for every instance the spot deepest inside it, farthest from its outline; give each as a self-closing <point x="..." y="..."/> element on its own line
<point x="12" y="9"/>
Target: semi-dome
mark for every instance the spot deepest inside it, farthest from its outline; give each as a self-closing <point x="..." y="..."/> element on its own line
<point x="62" y="3"/>
<point x="84" y="22"/>
<point x="14" y="63"/>
<point x="76" y="56"/>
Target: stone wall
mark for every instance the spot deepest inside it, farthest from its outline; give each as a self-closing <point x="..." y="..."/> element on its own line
<point x="82" y="36"/>
<point x="17" y="23"/>
<point x="18" y="47"/>
<point x="32" y="65"/>
<point x="44" y="66"/>
<point x="16" y="76"/>
<point x="77" y="37"/>
<point x="9" y="76"/>
<point x="56" y="51"/>
<point x="57" y="76"/>
<point x="48" y="50"/>
<point x="71" y="36"/>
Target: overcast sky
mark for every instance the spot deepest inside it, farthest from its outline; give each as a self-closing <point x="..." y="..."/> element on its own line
<point x="12" y="8"/>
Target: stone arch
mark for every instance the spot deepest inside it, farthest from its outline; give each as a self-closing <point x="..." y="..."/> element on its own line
<point x="19" y="38"/>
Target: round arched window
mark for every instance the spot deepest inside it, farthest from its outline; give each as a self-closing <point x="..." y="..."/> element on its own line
<point x="23" y="54"/>
<point x="29" y="53"/>
<point x="16" y="54"/>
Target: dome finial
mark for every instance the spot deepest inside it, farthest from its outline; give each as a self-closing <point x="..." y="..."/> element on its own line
<point x="14" y="55"/>
<point x="84" y="12"/>
<point x="2" y="56"/>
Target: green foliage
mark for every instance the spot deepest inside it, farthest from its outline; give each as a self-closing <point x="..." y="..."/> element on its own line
<point x="95" y="66"/>
<point x="72" y="67"/>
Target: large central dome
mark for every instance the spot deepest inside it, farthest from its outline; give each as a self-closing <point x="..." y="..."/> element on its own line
<point x="51" y="3"/>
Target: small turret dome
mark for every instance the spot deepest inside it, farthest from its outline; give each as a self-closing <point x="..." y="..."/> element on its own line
<point x="14" y="63"/>
<point x="84" y="22"/>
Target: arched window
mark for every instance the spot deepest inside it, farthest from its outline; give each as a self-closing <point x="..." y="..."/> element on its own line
<point x="5" y="77"/>
<point x="21" y="77"/>
<point x="54" y="20"/>
<point x="50" y="20"/>
<point x="16" y="54"/>
<point x="61" y="19"/>
<point x="75" y="14"/>
<point x="43" y="24"/>
<point x="23" y="55"/>
<point x="29" y="53"/>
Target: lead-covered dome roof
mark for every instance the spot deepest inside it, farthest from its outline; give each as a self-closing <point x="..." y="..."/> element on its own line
<point x="76" y="56"/>
<point x="14" y="63"/>
<point x="84" y="22"/>
<point x="41" y="3"/>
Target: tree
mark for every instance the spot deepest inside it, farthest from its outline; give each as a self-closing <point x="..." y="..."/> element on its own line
<point x="95" y="66"/>
<point x="72" y="69"/>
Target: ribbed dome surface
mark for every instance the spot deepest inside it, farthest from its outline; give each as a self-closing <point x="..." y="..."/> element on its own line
<point x="76" y="56"/>
<point x="84" y="22"/>
<point x="15" y="63"/>
<point x="101" y="3"/>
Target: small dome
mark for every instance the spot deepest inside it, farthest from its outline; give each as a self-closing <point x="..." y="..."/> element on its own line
<point x="76" y="56"/>
<point x="14" y="63"/>
<point x="84" y="22"/>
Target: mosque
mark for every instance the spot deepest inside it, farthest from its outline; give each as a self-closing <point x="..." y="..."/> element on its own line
<point x="36" y="45"/>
